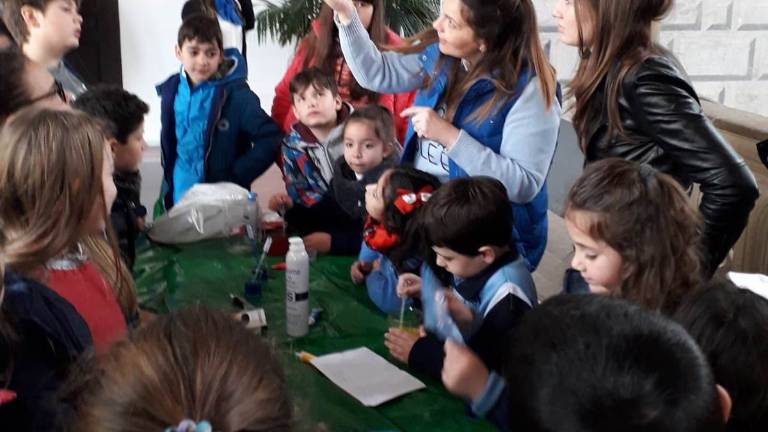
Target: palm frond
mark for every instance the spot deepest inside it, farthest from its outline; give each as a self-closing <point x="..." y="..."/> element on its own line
<point x="288" y="21"/>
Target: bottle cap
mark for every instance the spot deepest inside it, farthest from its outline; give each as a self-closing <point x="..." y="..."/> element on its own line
<point x="296" y="241"/>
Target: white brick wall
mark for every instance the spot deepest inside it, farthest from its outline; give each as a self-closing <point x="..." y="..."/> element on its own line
<point x="723" y="45"/>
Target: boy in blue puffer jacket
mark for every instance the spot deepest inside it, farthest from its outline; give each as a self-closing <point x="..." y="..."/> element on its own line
<point x="213" y="127"/>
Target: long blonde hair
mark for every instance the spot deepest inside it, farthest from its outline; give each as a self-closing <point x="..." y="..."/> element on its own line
<point x="51" y="165"/>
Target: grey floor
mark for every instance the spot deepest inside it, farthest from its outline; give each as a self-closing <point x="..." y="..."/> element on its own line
<point x="557" y="257"/>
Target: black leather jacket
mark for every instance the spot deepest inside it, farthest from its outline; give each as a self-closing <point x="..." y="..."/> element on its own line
<point x="667" y="129"/>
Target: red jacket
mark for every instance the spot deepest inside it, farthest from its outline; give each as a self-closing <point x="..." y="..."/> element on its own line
<point x="282" y="113"/>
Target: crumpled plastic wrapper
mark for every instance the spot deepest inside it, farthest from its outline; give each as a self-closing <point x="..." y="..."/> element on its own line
<point x="207" y="210"/>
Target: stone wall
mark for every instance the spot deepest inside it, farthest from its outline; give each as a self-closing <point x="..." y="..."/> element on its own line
<point x="723" y="44"/>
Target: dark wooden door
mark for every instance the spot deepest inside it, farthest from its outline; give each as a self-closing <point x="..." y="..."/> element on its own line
<point x="97" y="60"/>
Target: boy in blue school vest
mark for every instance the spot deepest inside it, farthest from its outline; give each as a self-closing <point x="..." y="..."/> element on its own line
<point x="467" y="227"/>
<point x="213" y="127"/>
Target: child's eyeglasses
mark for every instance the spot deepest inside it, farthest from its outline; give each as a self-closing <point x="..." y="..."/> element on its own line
<point x="56" y="90"/>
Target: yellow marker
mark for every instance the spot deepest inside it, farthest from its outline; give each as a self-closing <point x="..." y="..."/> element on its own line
<point x="305" y="357"/>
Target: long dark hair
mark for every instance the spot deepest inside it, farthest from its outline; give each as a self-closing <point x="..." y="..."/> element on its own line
<point x="646" y="217"/>
<point x="13" y="90"/>
<point x="510" y="33"/>
<point x="406" y="226"/>
<point x="621" y="40"/>
<point x="322" y="49"/>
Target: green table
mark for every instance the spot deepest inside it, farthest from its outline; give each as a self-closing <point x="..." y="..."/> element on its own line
<point x="170" y="277"/>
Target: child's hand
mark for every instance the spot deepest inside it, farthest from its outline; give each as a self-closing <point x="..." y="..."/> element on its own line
<point x="359" y="270"/>
<point x="279" y="201"/>
<point x="399" y="342"/>
<point x="428" y="124"/>
<point x="464" y="374"/>
<point x="408" y="285"/>
<point x="461" y="314"/>
<point x="318" y="241"/>
<point x="141" y="222"/>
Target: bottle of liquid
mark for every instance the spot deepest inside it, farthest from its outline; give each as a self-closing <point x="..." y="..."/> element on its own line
<point x="297" y="288"/>
<point x="252" y="218"/>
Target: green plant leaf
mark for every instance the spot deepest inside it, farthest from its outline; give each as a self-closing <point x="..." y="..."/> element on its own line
<point x="288" y="21"/>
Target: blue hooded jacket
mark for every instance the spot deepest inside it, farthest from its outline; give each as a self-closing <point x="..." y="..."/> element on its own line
<point x="240" y="141"/>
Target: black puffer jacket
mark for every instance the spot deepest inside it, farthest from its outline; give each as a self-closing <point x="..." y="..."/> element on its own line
<point x="666" y="128"/>
<point x="126" y="211"/>
<point x="51" y="337"/>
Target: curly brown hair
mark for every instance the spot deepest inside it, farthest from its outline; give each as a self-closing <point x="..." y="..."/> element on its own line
<point x="646" y="217"/>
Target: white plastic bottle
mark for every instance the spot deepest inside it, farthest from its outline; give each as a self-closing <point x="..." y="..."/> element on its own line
<point x="297" y="288"/>
<point x="252" y="217"/>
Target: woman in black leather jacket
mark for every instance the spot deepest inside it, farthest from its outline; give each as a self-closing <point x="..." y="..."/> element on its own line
<point x="633" y="100"/>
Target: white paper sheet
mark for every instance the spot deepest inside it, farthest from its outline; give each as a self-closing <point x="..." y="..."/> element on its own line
<point x="366" y="376"/>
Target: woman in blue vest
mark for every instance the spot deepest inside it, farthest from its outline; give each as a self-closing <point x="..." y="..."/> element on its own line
<point x="486" y="101"/>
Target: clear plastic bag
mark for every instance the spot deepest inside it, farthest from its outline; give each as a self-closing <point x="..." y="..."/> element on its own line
<point x="207" y="210"/>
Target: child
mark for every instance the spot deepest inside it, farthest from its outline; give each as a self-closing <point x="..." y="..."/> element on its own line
<point x="391" y="235"/>
<point x="46" y="30"/>
<point x="123" y="114"/>
<point x="309" y="151"/>
<point x="369" y="150"/>
<point x="320" y="48"/>
<point x="191" y="370"/>
<point x="213" y="128"/>
<point x="593" y="363"/>
<point x="87" y="273"/>
<point x="235" y="18"/>
<point x="635" y="235"/>
<point x="55" y="184"/>
<point x="730" y="324"/>
<point x="468" y="226"/>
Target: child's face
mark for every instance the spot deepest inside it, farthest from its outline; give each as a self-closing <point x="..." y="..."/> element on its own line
<point x="200" y="59"/>
<point x="599" y="264"/>
<point x="96" y="221"/>
<point x="374" y="197"/>
<point x="128" y="155"/>
<point x="460" y="265"/>
<point x="316" y="107"/>
<point x="58" y="27"/>
<point x="363" y="150"/>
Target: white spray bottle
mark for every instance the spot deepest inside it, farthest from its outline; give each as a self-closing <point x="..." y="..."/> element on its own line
<point x="297" y="288"/>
